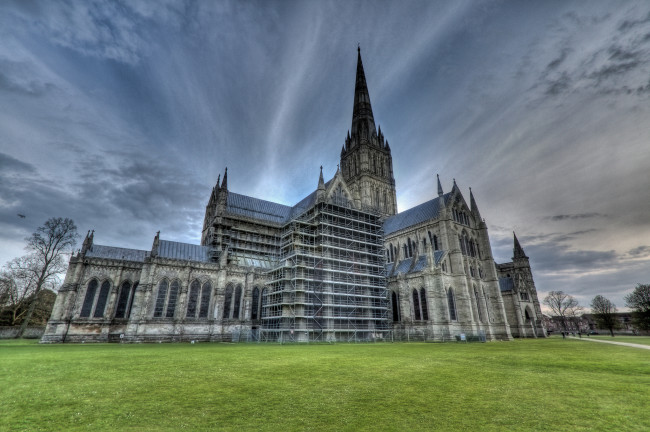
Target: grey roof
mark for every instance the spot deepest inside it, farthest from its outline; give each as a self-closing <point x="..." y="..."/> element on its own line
<point x="183" y="251"/>
<point x="111" y="252"/>
<point x="506" y="284"/>
<point x="438" y="256"/>
<point x="256" y="208"/>
<point x="403" y="266"/>
<point x="413" y="216"/>
<point x="420" y="264"/>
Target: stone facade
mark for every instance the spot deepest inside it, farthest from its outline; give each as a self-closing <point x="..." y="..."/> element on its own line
<point x="340" y="265"/>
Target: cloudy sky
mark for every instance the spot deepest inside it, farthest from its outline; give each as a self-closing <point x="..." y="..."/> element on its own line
<point x="121" y="115"/>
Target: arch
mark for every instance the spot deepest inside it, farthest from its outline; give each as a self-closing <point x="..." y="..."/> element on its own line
<point x="173" y="297"/>
<point x="394" y="297"/>
<point x="206" y="293"/>
<point x="89" y="299"/>
<point x="237" y="303"/>
<point x="123" y="299"/>
<point x="100" y="307"/>
<point x="163" y="287"/>
<point x="423" y="304"/>
<point x="528" y="315"/>
<point x="263" y="300"/>
<point x="227" y="300"/>
<point x="193" y="299"/>
<point x="451" y="301"/>
<point x="416" y="306"/>
<point x="256" y="304"/>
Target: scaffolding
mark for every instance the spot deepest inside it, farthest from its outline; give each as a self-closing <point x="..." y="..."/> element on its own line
<point x="328" y="283"/>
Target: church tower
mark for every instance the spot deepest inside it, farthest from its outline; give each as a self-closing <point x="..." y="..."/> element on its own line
<point x="366" y="161"/>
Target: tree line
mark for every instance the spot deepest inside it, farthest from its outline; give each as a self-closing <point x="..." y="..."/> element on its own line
<point x="567" y="308"/>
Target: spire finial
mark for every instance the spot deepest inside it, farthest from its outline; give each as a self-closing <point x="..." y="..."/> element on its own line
<point x="321" y="182"/>
<point x="473" y="206"/>
<point x="363" y="122"/>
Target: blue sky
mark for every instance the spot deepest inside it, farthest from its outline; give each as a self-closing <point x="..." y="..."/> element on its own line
<point x="121" y="115"/>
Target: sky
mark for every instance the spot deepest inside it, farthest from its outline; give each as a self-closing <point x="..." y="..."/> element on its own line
<point x="121" y="115"/>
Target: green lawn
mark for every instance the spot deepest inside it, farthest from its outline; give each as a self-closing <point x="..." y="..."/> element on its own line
<point x="641" y="340"/>
<point x="522" y="385"/>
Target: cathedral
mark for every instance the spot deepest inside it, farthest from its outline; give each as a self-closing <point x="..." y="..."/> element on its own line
<point x="340" y="265"/>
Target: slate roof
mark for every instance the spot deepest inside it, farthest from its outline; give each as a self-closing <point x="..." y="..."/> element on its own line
<point x="413" y="216"/>
<point x="257" y="208"/>
<point x="506" y="284"/>
<point x="438" y="256"/>
<point x="183" y="251"/>
<point x="111" y="252"/>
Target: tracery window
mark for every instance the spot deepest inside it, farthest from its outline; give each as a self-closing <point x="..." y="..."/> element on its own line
<point x="395" y="306"/>
<point x="125" y="300"/>
<point x="423" y="304"/>
<point x="94" y="304"/>
<point x="451" y="301"/>
<point x="420" y="305"/>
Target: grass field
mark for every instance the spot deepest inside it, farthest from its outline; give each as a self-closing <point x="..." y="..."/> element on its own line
<point x="523" y="385"/>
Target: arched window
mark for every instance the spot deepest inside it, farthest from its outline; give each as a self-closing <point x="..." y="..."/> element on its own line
<point x="123" y="300"/>
<point x="89" y="299"/>
<point x="487" y="307"/>
<point x="95" y="303"/>
<point x="416" y="306"/>
<point x="395" y="305"/>
<point x="452" y="305"/>
<point x="206" y="293"/>
<point x="226" y="302"/>
<point x="173" y="296"/>
<point x="163" y="287"/>
<point x="236" y="305"/>
<point x="256" y="304"/>
<point x="193" y="299"/>
<point x="478" y="305"/>
<point x="263" y="299"/>
<point x="423" y="303"/>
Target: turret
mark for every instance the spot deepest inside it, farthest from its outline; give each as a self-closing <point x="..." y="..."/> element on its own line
<point x="88" y="242"/>
<point x="518" y="251"/>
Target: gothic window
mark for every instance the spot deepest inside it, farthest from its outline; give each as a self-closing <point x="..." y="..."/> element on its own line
<point x="193" y="299"/>
<point x="424" y="244"/>
<point x="90" y="299"/>
<point x="237" y="304"/>
<point x="451" y="301"/>
<point x="123" y="300"/>
<point x="487" y="308"/>
<point x="206" y="293"/>
<point x="339" y="197"/>
<point x="130" y="306"/>
<point x="101" y="300"/>
<point x="171" y="301"/>
<point x="524" y="296"/>
<point x="256" y="304"/>
<point x="385" y="201"/>
<point x="406" y="254"/>
<point x="163" y="286"/>
<point x="471" y="271"/>
<point x="462" y="245"/>
<point x="423" y="303"/>
<point x="263" y="303"/>
<point x="395" y="306"/>
<point x="410" y="247"/>
<point x="478" y="305"/>
<point x="416" y="305"/>
<point x="226" y="302"/>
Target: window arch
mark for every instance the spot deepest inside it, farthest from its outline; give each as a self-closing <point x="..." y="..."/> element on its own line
<point x="416" y="306"/>
<point x="206" y="293"/>
<point x="193" y="299"/>
<point x="94" y="304"/>
<point x="237" y="304"/>
<point x="227" y="300"/>
<point x="263" y="299"/>
<point x="420" y="305"/>
<point x="125" y="299"/>
<point x="394" y="297"/>
<point x="451" y="301"/>
<point x="166" y="299"/>
<point x="423" y="304"/>
<point x="255" y="313"/>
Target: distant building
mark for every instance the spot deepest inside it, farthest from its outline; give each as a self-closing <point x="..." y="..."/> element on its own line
<point x="340" y="265"/>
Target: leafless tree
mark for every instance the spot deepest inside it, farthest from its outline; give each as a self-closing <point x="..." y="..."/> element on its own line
<point x="17" y="283"/>
<point x="563" y="305"/>
<point x="48" y="247"/>
<point x="605" y="313"/>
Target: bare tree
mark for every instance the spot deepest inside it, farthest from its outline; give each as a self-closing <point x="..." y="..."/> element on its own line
<point x="639" y="301"/>
<point x="47" y="248"/>
<point x="605" y="313"/>
<point x="17" y="284"/>
<point x="563" y="305"/>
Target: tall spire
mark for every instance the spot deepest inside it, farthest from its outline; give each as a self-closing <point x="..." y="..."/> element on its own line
<point x="321" y="181"/>
<point x="440" y="193"/>
<point x="363" y="122"/>
<point x="473" y="206"/>
<point x="518" y="250"/>
<point x="224" y="183"/>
